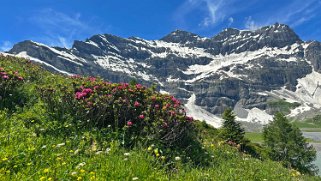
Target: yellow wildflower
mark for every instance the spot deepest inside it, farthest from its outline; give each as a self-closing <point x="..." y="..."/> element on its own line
<point x="79" y="178"/>
<point x="4" y="159"/>
<point x="82" y="171"/>
<point x="92" y="173"/>
<point x="42" y="178"/>
<point x="46" y="170"/>
<point x="49" y="179"/>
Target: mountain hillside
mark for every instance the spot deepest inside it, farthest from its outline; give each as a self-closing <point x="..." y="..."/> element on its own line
<point x="257" y="73"/>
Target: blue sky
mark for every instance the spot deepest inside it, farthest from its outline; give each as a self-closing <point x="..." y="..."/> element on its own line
<point x="60" y="22"/>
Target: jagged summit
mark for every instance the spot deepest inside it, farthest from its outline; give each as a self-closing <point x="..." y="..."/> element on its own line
<point x="180" y="36"/>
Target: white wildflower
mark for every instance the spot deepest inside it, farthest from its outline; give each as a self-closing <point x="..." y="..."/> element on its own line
<point x="76" y="152"/>
<point x="177" y="158"/>
<point x="80" y="165"/>
<point x="98" y="152"/>
<point x="60" y="145"/>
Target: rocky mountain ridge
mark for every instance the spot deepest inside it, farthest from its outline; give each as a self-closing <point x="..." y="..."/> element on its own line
<point x="247" y="70"/>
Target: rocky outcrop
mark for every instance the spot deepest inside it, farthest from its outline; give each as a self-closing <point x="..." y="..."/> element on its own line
<point x="313" y="54"/>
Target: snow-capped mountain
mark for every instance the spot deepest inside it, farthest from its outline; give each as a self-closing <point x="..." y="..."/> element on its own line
<point x="246" y="70"/>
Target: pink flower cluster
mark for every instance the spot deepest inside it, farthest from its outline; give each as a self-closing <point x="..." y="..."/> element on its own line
<point x="83" y="93"/>
<point x="136" y="104"/>
<point x="139" y="86"/>
<point x="5" y="75"/>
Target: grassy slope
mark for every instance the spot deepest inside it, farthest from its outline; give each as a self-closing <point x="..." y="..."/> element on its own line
<point x="310" y="125"/>
<point x="33" y="148"/>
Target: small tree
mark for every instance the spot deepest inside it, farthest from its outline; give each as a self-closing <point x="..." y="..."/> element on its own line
<point x="231" y="130"/>
<point x="286" y="144"/>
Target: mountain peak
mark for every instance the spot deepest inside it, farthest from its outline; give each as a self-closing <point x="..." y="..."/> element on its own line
<point x="180" y="36"/>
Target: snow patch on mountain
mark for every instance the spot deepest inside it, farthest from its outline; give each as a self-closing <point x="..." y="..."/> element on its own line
<point x="63" y="54"/>
<point x="177" y="49"/>
<point x="308" y="94"/>
<point x="117" y="64"/>
<point x="201" y="114"/>
<point x="26" y="56"/>
<point x="220" y="61"/>
<point x="256" y="115"/>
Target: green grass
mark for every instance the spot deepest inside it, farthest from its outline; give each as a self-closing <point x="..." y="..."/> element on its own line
<point x="255" y="137"/>
<point x="309" y="125"/>
<point x="35" y="147"/>
<point x="282" y="106"/>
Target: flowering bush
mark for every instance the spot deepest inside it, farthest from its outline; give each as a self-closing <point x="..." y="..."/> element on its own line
<point x="139" y="113"/>
<point x="9" y="81"/>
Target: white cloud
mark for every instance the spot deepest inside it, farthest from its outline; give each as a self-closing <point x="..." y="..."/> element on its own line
<point x="220" y="12"/>
<point x="250" y="24"/>
<point x="216" y="11"/>
<point x="230" y="21"/>
<point x="6" y="45"/>
<point x="294" y="14"/>
<point x="61" y="29"/>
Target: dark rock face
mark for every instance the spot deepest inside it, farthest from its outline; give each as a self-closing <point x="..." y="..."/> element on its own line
<point x="231" y="68"/>
<point x="313" y="54"/>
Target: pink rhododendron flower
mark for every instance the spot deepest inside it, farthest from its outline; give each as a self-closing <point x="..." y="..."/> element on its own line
<point x="5" y="77"/>
<point x="136" y="104"/>
<point x="20" y="78"/>
<point x="79" y="95"/>
<point x="87" y="91"/>
<point x="141" y="116"/>
<point x="92" y="79"/>
<point x="156" y="106"/>
<point x="129" y="123"/>
<point x="139" y="86"/>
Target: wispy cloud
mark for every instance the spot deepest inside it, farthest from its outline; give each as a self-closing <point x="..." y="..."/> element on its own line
<point x="6" y="45"/>
<point x="61" y="29"/>
<point x="215" y="11"/>
<point x="250" y="24"/>
<point x="250" y="13"/>
<point x="230" y="21"/>
<point x="296" y="13"/>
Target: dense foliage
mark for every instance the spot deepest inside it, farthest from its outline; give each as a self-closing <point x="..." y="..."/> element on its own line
<point x="54" y="127"/>
<point x="287" y="145"/>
